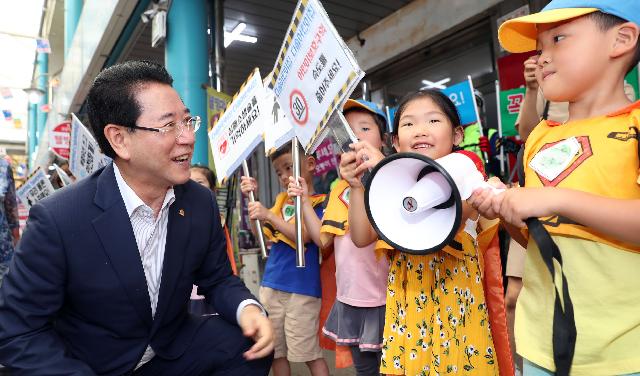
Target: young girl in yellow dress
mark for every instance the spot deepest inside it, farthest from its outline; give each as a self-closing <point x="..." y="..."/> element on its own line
<point x="436" y="320"/>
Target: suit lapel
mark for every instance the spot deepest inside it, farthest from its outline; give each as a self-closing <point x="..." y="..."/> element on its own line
<point x="114" y="229"/>
<point x="178" y="229"/>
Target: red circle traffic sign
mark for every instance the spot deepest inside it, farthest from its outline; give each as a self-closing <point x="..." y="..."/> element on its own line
<point x="298" y="108"/>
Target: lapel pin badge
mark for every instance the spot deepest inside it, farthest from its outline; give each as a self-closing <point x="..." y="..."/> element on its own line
<point x="181" y="212"/>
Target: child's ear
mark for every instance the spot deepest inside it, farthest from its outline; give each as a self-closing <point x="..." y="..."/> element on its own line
<point x="394" y="142"/>
<point x="311" y="164"/>
<point x="458" y="135"/>
<point x="626" y="35"/>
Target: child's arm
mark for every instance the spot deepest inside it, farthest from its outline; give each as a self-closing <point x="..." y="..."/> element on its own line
<point x="310" y="218"/>
<point x="529" y="116"/>
<point x="258" y="211"/>
<point x="487" y="203"/>
<point x="247" y="185"/>
<point x="617" y="218"/>
<point x="362" y="233"/>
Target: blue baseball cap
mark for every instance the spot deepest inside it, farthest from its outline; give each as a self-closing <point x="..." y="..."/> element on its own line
<point x="520" y="34"/>
<point x="366" y="105"/>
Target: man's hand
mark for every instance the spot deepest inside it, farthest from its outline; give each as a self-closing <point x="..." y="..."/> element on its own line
<point x="257" y="326"/>
<point x="248" y="185"/>
<point x="530" y="66"/>
<point x="258" y="211"/>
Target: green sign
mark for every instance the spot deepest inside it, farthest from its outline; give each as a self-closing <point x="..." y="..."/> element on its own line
<point x="510" y="102"/>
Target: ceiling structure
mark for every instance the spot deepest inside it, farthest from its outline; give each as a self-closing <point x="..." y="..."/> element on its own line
<point x="268" y="21"/>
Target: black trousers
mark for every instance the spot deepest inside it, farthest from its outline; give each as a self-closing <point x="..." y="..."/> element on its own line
<point x="217" y="349"/>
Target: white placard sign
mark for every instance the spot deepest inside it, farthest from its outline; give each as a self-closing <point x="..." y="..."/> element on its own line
<point x="35" y="188"/>
<point x="240" y="127"/>
<point x="85" y="156"/>
<point x="278" y="130"/>
<point x="315" y="71"/>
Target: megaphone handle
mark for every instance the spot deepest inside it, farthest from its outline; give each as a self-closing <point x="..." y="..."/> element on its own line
<point x="493" y="189"/>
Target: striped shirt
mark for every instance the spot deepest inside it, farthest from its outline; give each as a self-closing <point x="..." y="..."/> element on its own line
<point x="151" y="237"/>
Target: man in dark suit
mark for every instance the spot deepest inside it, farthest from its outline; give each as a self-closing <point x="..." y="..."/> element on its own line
<point x="101" y="280"/>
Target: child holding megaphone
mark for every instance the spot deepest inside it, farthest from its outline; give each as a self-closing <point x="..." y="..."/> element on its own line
<point x="436" y="318"/>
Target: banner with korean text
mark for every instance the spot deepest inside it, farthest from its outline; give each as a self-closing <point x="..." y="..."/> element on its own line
<point x="315" y="71"/>
<point x="85" y="156"/>
<point x="34" y="189"/>
<point x="216" y="103"/>
<point x="510" y="102"/>
<point x="239" y="128"/>
<point x="461" y="94"/>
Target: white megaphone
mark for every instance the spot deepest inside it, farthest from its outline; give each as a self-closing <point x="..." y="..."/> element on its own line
<point x="414" y="203"/>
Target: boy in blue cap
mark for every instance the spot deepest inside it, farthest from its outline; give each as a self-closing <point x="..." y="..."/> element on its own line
<point x="578" y="311"/>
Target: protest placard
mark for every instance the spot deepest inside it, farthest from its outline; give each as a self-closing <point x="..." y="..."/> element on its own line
<point x="315" y="71"/>
<point x="239" y="128"/>
<point x="278" y="130"/>
<point x="85" y="156"/>
<point x="59" y="137"/>
<point x="34" y="189"/>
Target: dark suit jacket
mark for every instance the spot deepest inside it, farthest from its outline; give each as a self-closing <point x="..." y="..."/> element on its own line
<point x="75" y="301"/>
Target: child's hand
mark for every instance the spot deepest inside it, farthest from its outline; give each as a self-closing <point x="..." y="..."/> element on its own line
<point x="530" y="66"/>
<point x="301" y="189"/>
<point x="248" y="185"/>
<point x="519" y="204"/>
<point x="348" y="169"/>
<point x="367" y="156"/>
<point x="258" y="211"/>
<point x="485" y="201"/>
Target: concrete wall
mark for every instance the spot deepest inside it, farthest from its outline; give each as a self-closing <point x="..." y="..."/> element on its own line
<point x="418" y="22"/>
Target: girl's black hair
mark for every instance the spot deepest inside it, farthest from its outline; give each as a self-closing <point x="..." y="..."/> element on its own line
<point x="439" y="98"/>
<point x="208" y="174"/>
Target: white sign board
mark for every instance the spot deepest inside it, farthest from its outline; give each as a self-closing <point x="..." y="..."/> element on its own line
<point x="240" y="127"/>
<point x="85" y="156"/>
<point x="278" y="130"/>
<point x="315" y="71"/>
<point x="34" y="189"/>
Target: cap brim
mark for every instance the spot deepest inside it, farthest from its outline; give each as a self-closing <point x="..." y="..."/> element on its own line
<point x="520" y="34"/>
<point x="352" y="103"/>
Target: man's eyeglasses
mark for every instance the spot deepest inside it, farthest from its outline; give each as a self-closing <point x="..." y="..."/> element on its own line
<point x="192" y="124"/>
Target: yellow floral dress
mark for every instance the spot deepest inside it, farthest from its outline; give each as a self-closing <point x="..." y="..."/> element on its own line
<point x="436" y="320"/>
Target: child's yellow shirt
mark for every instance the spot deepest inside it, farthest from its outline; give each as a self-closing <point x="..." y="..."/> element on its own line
<point x="602" y="273"/>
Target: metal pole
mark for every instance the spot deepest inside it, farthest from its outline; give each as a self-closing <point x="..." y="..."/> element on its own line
<point x="252" y="198"/>
<point x="218" y="44"/>
<point x="298" y="202"/>
<point x="500" y="130"/>
<point x="475" y="107"/>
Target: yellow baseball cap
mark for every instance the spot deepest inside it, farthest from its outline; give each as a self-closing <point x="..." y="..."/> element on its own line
<point x="520" y="34"/>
